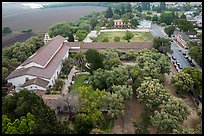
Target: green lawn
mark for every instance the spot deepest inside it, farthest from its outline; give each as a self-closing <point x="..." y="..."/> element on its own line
<point x="79" y="82"/>
<point x="138" y="36"/>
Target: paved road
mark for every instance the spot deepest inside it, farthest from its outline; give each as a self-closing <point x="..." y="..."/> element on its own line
<point x="179" y="55"/>
<point x="157" y="31"/>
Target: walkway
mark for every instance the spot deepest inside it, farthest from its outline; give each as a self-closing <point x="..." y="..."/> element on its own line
<point x="68" y="81"/>
<point x="91" y="34"/>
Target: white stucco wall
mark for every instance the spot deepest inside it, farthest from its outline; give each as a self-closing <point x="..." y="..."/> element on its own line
<point x="20" y="80"/>
<point x="34" y="87"/>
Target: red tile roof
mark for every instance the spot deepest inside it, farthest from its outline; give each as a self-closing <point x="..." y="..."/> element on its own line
<point x="44" y="54"/>
<point x="36" y="81"/>
<point x="123" y="46"/>
<point x="46" y="72"/>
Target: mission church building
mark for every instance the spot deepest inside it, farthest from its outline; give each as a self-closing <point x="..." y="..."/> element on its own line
<point x="41" y="69"/>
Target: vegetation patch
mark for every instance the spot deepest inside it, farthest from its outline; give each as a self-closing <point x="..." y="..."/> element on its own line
<point x="138" y="36"/>
<point x="78" y="82"/>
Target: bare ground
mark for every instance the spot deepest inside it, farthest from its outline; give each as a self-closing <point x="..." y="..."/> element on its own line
<point x="193" y="119"/>
<point x="123" y="125"/>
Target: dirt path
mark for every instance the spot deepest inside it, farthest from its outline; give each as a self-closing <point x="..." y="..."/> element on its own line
<point x="133" y="109"/>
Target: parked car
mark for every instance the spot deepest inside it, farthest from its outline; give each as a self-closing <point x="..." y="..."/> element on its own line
<point x="186" y="57"/>
<point x="180" y="66"/>
<point x="173" y="58"/>
<point x="177" y="62"/>
<point x="191" y="63"/>
<point x="179" y="50"/>
<point x="184" y="53"/>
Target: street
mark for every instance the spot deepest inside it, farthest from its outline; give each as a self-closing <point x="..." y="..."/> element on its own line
<point x="158" y="31"/>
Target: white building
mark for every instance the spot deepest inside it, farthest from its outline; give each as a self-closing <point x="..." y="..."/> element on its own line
<point x="47" y="38"/>
<point x="41" y="69"/>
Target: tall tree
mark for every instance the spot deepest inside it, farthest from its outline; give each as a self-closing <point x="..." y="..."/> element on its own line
<point x="162" y="44"/>
<point x="134" y="22"/>
<point x="197" y="78"/>
<point x="94" y="59"/>
<point x="152" y="93"/>
<point x="128" y="35"/>
<point x="184" y="25"/>
<point x="109" y="13"/>
<point x="183" y="81"/>
<point x="166" y="18"/>
<point x="196" y="53"/>
<point x="169" y="30"/>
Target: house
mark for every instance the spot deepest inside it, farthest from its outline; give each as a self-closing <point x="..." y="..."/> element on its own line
<point x="120" y="24"/>
<point x="170" y="4"/>
<point x="42" y="68"/>
<point x="181" y="38"/>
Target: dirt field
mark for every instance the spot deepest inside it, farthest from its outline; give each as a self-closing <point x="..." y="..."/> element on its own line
<point x="123" y="125"/>
<point x="11" y="39"/>
<point x="39" y="20"/>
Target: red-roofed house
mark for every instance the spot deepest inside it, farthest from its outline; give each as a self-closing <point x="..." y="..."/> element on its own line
<point x="42" y="68"/>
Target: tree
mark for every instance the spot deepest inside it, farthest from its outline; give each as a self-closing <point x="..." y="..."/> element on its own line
<point x="125" y="91"/>
<point x="162" y="44"/>
<point x="196" y="54"/>
<point x="139" y="8"/>
<point x="94" y="59"/>
<point x="70" y="37"/>
<point x="64" y="29"/>
<point x="162" y="6"/>
<point x="110" y="23"/>
<point x="4" y="73"/>
<point x="183" y="131"/>
<point x="26" y="101"/>
<point x="67" y="65"/>
<point x="104" y="79"/>
<point x="122" y="9"/>
<point x="134" y="22"/>
<point x="176" y="107"/>
<point x="125" y="18"/>
<point x="110" y="63"/>
<point x="82" y="124"/>
<point x="25" y="125"/>
<point x="164" y="121"/>
<point x="183" y="16"/>
<point x="182" y="81"/>
<point x="184" y="25"/>
<point x="128" y="35"/>
<point x="105" y="39"/>
<point x="109" y="13"/>
<point x="91" y="103"/>
<point x="7" y="30"/>
<point x="116" y="39"/>
<point x="131" y="55"/>
<point x="152" y="93"/>
<point x="166" y="18"/>
<point x="81" y="34"/>
<point x="155" y="18"/>
<point x="169" y="30"/>
<point x="80" y="59"/>
<point x="93" y="22"/>
<point x="197" y="78"/>
<point x="116" y="105"/>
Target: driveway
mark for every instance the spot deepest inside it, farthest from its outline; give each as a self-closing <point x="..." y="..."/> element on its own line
<point x="91" y="34"/>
